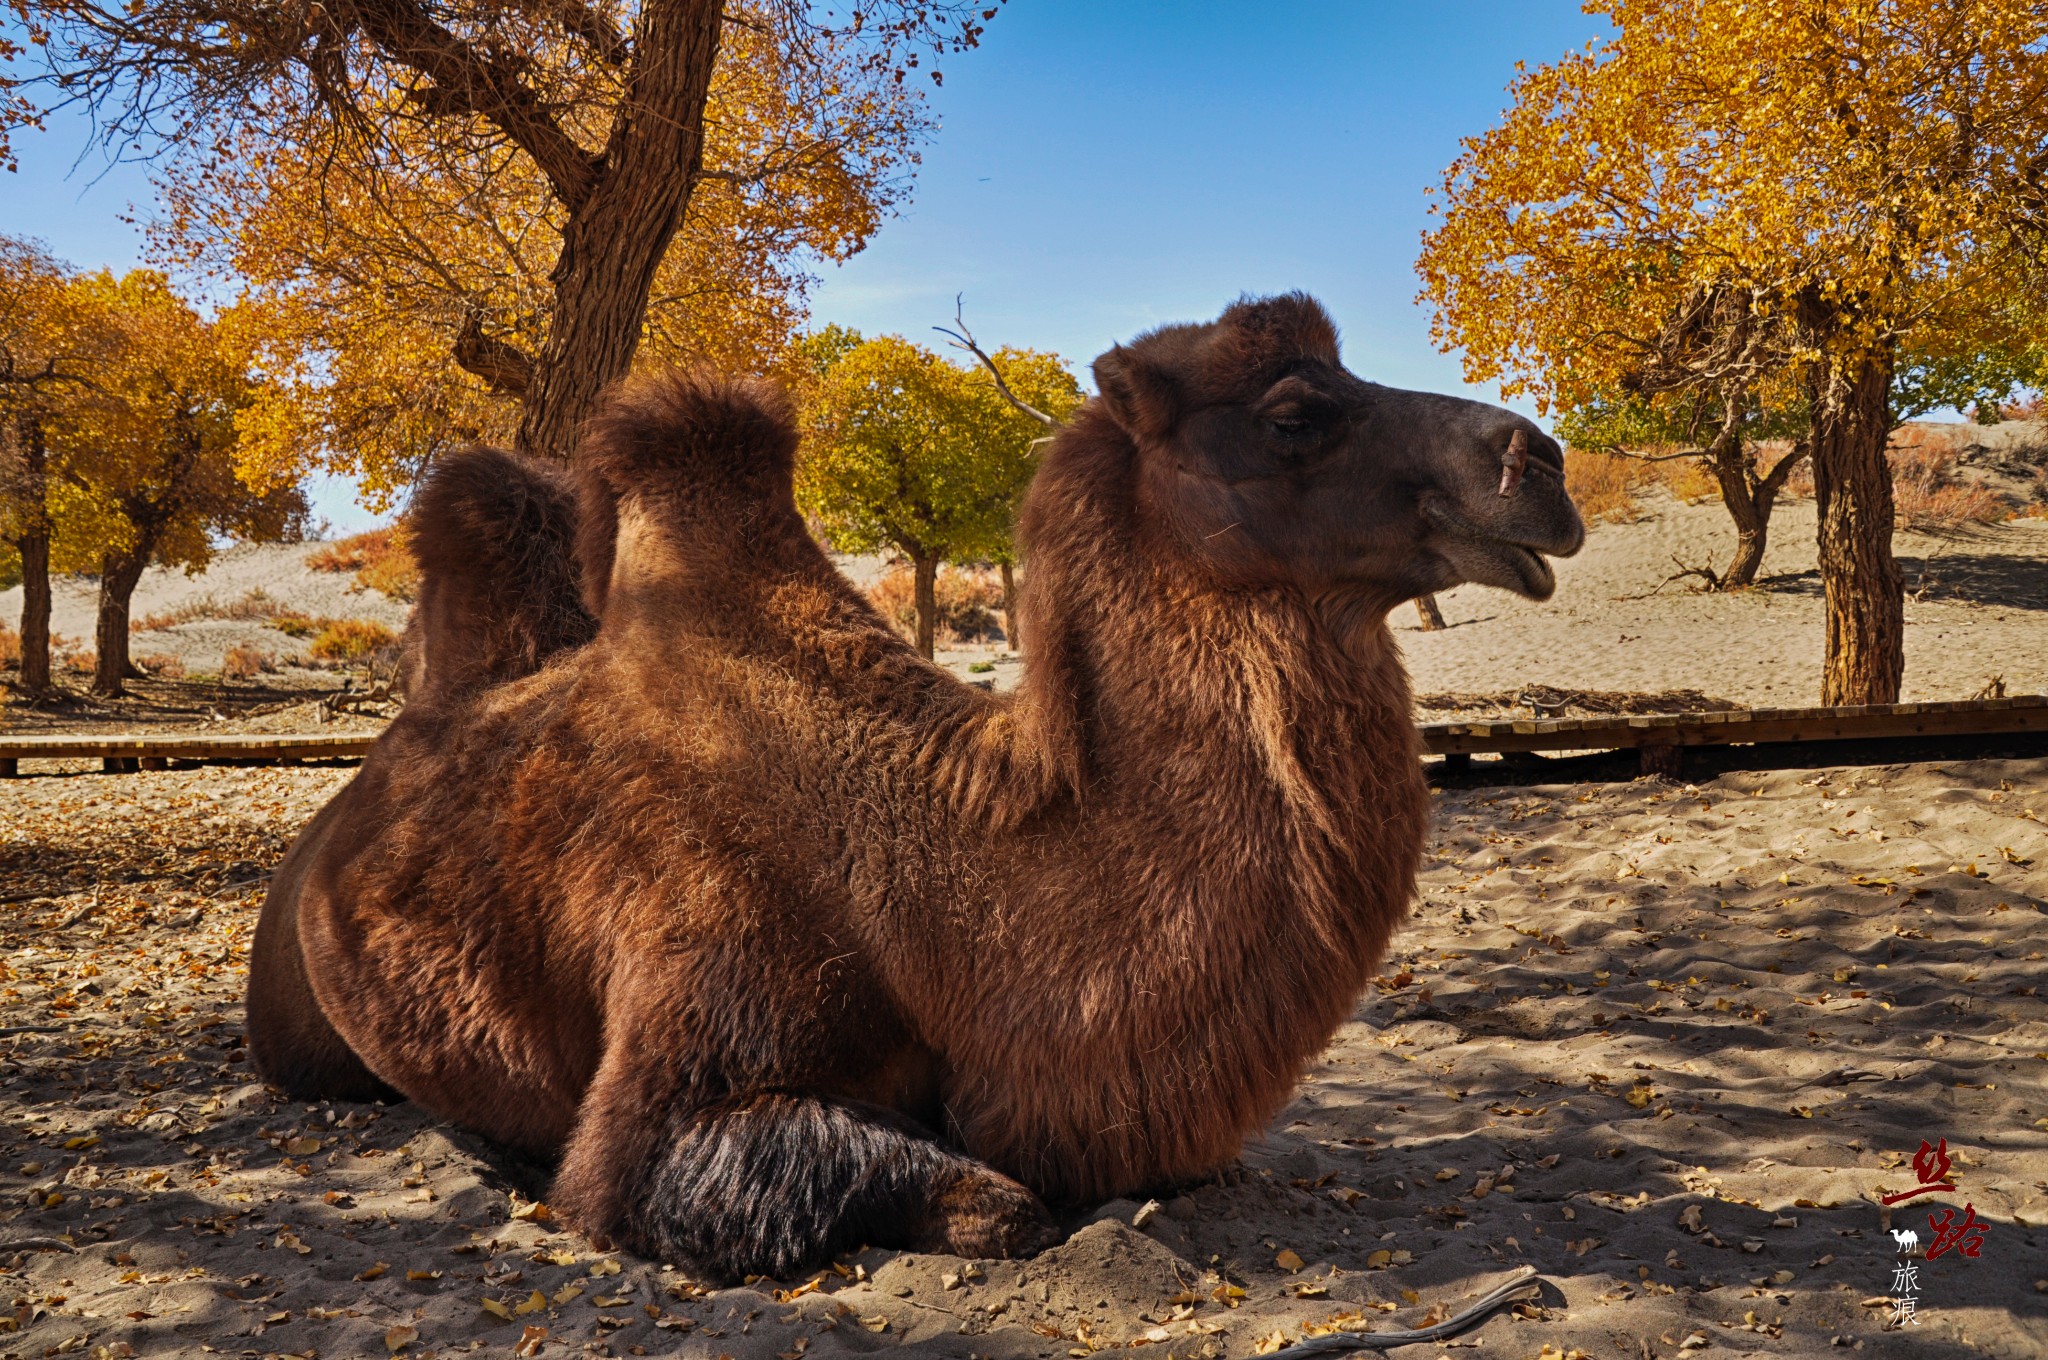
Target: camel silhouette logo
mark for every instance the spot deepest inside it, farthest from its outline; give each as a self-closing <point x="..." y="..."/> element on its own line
<point x="1906" y="1238"/>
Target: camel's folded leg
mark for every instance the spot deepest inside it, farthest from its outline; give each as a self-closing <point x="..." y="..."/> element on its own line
<point x="769" y="1184"/>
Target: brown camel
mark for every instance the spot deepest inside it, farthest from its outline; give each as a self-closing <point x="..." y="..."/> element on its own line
<point x="784" y="940"/>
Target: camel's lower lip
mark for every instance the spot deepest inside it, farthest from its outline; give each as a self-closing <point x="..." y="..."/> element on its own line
<point x="1524" y="570"/>
<point x="1534" y="570"/>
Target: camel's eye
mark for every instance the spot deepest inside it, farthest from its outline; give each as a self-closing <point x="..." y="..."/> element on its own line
<point x="1291" y="422"/>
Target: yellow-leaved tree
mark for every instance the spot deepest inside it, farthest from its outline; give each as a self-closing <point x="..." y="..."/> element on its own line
<point x="54" y="349"/>
<point x="903" y="450"/>
<point x="460" y="219"/>
<point x="1743" y="200"/>
<point x="148" y="452"/>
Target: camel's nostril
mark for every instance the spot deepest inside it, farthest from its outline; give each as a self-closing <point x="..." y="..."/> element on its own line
<point x="1514" y="463"/>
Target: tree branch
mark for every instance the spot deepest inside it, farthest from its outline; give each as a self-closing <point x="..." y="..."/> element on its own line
<point x="504" y="367"/>
<point x="466" y="81"/>
<point x="964" y="339"/>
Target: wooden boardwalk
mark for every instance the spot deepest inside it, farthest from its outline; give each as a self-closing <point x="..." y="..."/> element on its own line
<point x="1660" y="736"/>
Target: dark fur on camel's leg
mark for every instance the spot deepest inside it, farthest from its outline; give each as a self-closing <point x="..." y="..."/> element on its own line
<point x="770" y="1184"/>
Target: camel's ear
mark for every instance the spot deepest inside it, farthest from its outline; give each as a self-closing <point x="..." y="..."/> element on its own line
<point x="1140" y="398"/>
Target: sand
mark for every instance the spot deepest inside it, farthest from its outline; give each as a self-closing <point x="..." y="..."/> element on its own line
<point x="1977" y="608"/>
<point x="1667" y="1044"/>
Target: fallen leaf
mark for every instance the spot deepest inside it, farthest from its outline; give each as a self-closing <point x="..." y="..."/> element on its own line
<point x="607" y="1266"/>
<point x="302" y="1147"/>
<point x="1289" y="1261"/>
<point x="531" y="1342"/>
<point x="375" y="1272"/>
<point x="400" y="1335"/>
<point x="533" y="1303"/>
<point x="497" y="1309"/>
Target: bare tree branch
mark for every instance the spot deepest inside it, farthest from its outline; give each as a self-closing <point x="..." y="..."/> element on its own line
<point x="467" y="81"/>
<point x="964" y="339"/>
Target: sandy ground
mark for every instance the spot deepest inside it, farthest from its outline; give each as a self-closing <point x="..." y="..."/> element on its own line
<point x="1667" y="1044"/>
<point x="1977" y="608"/>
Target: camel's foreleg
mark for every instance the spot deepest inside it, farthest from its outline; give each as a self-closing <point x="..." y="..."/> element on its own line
<point x="771" y="1183"/>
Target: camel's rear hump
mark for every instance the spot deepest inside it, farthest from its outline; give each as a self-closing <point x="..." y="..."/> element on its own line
<point x="494" y="535"/>
<point x="712" y="457"/>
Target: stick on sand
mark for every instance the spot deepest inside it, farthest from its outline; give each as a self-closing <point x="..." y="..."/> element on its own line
<point x="1342" y="1343"/>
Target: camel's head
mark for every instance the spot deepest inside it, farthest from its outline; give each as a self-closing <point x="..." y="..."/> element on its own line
<point x="1268" y="461"/>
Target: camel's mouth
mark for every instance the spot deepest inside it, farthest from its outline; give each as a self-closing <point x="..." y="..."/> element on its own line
<point x="1491" y="559"/>
<point x="1508" y="565"/>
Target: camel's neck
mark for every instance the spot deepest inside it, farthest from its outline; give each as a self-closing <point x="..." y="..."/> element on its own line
<point x="1248" y="815"/>
<point x="1133" y="665"/>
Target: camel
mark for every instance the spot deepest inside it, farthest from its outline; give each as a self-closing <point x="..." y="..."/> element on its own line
<point x="781" y="939"/>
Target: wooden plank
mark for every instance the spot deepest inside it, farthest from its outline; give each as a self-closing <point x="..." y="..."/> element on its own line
<point x="168" y="746"/>
<point x="2025" y="713"/>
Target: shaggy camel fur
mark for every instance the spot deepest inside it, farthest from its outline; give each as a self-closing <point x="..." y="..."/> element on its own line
<point x="784" y="940"/>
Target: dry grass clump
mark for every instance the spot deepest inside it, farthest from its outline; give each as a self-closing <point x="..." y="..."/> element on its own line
<point x="161" y="665"/>
<point x="10" y="648"/>
<point x="244" y="662"/>
<point x="256" y="606"/>
<point x="350" y="640"/>
<point x="970" y="601"/>
<point x="1606" y="486"/>
<point x="1927" y="495"/>
<point x="381" y="560"/>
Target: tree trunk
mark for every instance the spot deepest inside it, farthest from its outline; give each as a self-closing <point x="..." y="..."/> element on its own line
<point x="1860" y="578"/>
<point x="33" y="543"/>
<point x="1432" y="617"/>
<point x="35" y="610"/>
<point x="616" y="236"/>
<point x="119" y="574"/>
<point x="1752" y="515"/>
<point x="927" y="597"/>
<point x="1010" y="637"/>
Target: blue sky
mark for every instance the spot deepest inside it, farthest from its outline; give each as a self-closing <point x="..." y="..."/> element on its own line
<point x="1104" y="166"/>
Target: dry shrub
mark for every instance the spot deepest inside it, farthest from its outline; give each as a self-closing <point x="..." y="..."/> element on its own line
<point x="381" y="560"/>
<point x="1927" y="495"/>
<point x="244" y="662"/>
<point x="161" y="665"/>
<point x="970" y="603"/>
<point x="2033" y="406"/>
<point x="10" y="648"/>
<point x="350" y="640"/>
<point x="74" y="663"/>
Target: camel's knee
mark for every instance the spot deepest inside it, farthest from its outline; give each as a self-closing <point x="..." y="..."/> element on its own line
<point x="770" y="1184"/>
